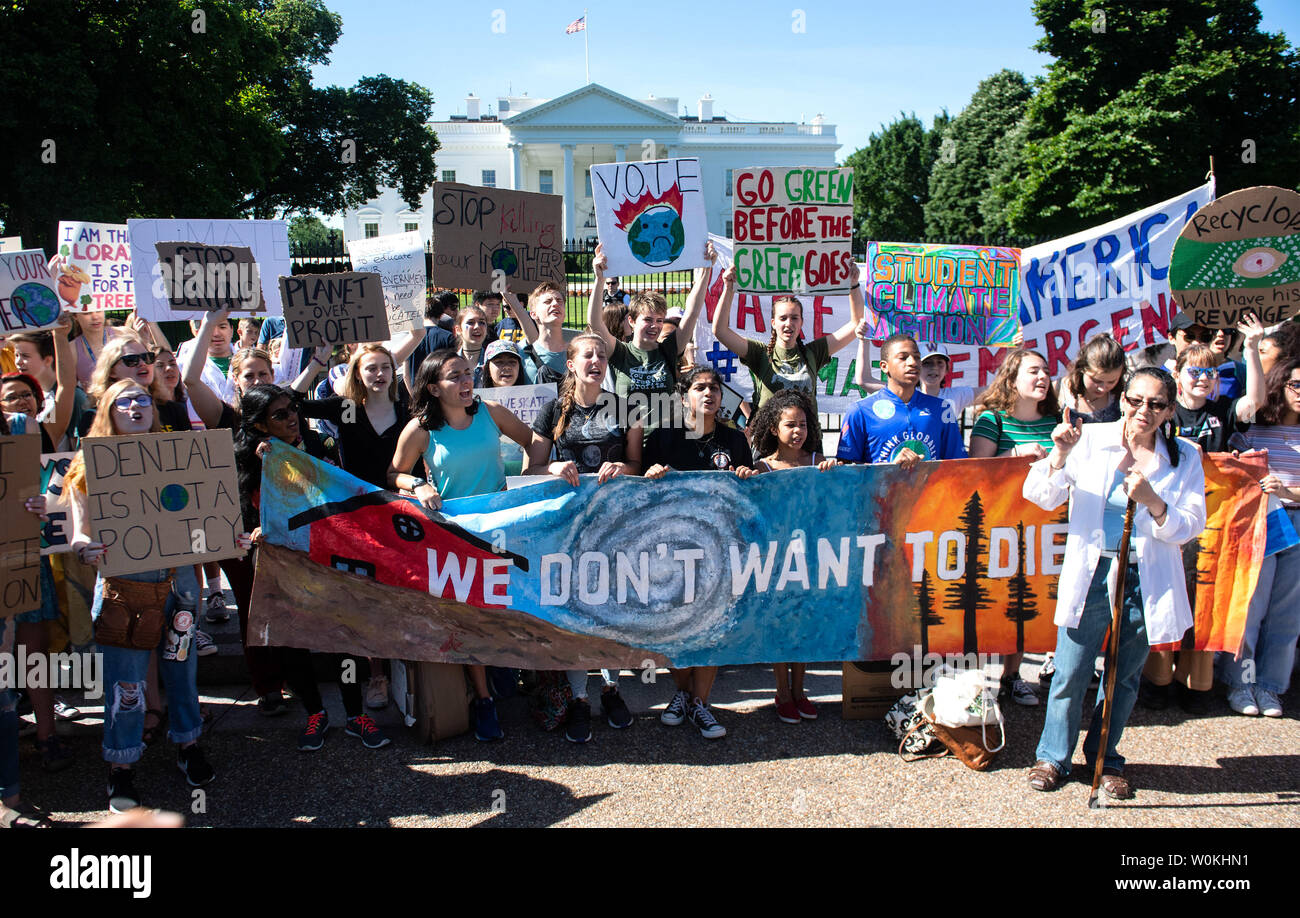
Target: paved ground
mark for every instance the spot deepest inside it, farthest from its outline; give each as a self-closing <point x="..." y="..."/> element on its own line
<point x="1222" y="770"/>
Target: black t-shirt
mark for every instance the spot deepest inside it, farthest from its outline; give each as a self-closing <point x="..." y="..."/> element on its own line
<point x="724" y="449"/>
<point x="593" y="435"/>
<point x="1211" y="426"/>
<point x="435" y="339"/>
<point x="363" y="451"/>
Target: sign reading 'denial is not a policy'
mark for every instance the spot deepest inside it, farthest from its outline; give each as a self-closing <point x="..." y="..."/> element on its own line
<point x="650" y="215"/>
<point x="341" y="308"/>
<point x="96" y="273"/>
<point x="399" y="260"/>
<point x="513" y="237"/>
<point x="163" y="500"/>
<point x="793" y="230"/>
<point x="28" y="297"/>
<point x="948" y="294"/>
<point x="20" y="540"/>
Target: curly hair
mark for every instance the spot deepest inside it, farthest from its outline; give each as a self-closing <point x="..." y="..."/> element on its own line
<point x="767" y="418"/>
<point x="1001" y="395"/>
<point x="1275" y="409"/>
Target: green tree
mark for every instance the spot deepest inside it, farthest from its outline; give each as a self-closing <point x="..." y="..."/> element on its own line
<point x="1136" y="101"/>
<point x="138" y="108"/>
<point x="310" y="232"/>
<point x="891" y="180"/>
<point x="966" y="159"/>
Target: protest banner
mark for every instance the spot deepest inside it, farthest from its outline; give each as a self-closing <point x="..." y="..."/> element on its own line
<point x="20" y="544"/>
<point x="29" y="300"/>
<point x="98" y="254"/>
<point x="399" y="260"/>
<point x="650" y="215"/>
<point x="342" y="308"/>
<point x="163" y="500"/>
<point x="949" y="294"/>
<point x="11" y="243"/>
<point x="57" y="530"/>
<point x="1240" y="254"/>
<point x="793" y="230"/>
<point x="268" y="240"/>
<point x="486" y="236"/>
<point x="525" y="403"/>
<point x="207" y="278"/>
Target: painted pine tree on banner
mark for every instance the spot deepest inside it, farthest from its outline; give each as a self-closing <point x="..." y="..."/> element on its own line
<point x="969" y="595"/>
<point x="926" y="613"/>
<point x="1021" y="606"/>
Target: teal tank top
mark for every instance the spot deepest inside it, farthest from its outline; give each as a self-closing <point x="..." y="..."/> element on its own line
<point x="462" y="463"/>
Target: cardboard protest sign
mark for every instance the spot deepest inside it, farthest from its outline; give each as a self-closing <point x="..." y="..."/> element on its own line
<point x="399" y="259"/>
<point x="29" y="300"/>
<point x="478" y="232"/>
<point x="163" y="500"/>
<point x="57" y="531"/>
<point x="650" y="215"/>
<point x="793" y="230"/>
<point x="206" y="278"/>
<point x="948" y="294"/>
<point x="1240" y="254"/>
<point x="97" y="254"/>
<point x="11" y="243"/>
<point x="341" y="308"/>
<point x="20" y="541"/>
<point x="267" y="239"/>
<point x="525" y="403"/>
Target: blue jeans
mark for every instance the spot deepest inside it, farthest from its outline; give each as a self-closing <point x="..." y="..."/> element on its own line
<point x="125" y="673"/>
<point x="1076" y="652"/>
<point x="1272" y="624"/>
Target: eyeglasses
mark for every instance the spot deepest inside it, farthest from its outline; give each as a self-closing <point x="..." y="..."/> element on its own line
<point x="1155" y="404"/>
<point x="1201" y="373"/>
<point x="134" y="360"/>
<point x="13" y="397"/>
<point x="127" y="402"/>
<point x="282" y="415"/>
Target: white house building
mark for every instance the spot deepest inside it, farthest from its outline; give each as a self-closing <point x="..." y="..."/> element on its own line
<point x="549" y="145"/>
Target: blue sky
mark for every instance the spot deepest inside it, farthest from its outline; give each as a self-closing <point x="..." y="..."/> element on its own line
<point x="858" y="64"/>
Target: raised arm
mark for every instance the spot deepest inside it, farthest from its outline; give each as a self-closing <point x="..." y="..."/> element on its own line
<point x="862" y="366"/>
<point x="65" y="372"/>
<point x="841" y="337"/>
<point x="1256" y="388"/>
<point x="403" y="345"/>
<point x="596" y="305"/>
<point x="319" y="358"/>
<point x="695" y="299"/>
<point x="722" y="316"/>
<point x="522" y="316"/>
<point x="206" y="403"/>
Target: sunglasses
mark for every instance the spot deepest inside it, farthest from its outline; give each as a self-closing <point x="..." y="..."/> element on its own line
<point x="1197" y="373"/>
<point x="134" y="360"/>
<point x="127" y="402"/>
<point x="282" y="415"/>
<point x="13" y="397"/>
<point x="1155" y="404"/>
<point x="1198" y="335"/>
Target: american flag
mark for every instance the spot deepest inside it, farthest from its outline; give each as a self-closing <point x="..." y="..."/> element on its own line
<point x="576" y="26"/>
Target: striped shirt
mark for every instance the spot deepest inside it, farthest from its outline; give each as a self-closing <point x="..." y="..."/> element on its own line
<point x="1283" y="444"/>
<point x="1008" y="432"/>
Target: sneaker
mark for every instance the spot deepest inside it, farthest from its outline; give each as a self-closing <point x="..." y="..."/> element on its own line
<point x="377" y="692"/>
<point x="1242" y="700"/>
<point x="272" y="704"/>
<point x="1269" y="704"/>
<point x="1153" y="697"/>
<point x="65" y="711"/>
<point x="615" y="709"/>
<point x="1196" y="703"/>
<point x="1023" y="693"/>
<point x="787" y="713"/>
<point x="204" y="646"/>
<point x="194" y="766"/>
<point x="55" y="756"/>
<point x="371" y="736"/>
<point x="704" y="720"/>
<point x="216" y="611"/>
<point x="314" y="736"/>
<point x="807" y="710"/>
<point x="578" y="723"/>
<point x="1047" y="670"/>
<point x="675" y="713"/>
<point x="486" y="726"/>
<point x="122" y="795"/>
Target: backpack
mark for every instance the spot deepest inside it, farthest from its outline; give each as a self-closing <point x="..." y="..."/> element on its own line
<point x="544" y="373"/>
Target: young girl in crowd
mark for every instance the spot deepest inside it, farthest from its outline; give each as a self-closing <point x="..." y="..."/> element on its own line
<point x="583" y="432"/>
<point x="1016" y="416"/>
<point x="504" y="365"/>
<point x="91" y="334"/>
<point x="1281" y="344"/>
<point x="787" y="435"/>
<point x="1263" y="673"/>
<point x="471" y="331"/>
<point x="702" y="445"/>
<point x="458" y="437"/>
<point x="1091" y="387"/>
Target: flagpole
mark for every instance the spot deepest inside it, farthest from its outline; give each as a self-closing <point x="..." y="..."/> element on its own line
<point x="586" y="48"/>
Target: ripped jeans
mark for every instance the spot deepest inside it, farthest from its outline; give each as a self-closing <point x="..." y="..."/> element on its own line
<point x="125" y="672"/>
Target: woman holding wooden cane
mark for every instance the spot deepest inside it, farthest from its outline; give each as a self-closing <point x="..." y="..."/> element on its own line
<point x="1100" y="468"/>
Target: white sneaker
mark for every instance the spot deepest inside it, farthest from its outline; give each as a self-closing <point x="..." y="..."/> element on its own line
<point x="1269" y="704"/>
<point x="377" y="692"/>
<point x="1047" y="670"/>
<point x="204" y="646"/>
<point x="675" y="713"/>
<point x="703" y="718"/>
<point x="1023" y="693"/>
<point x="1242" y="701"/>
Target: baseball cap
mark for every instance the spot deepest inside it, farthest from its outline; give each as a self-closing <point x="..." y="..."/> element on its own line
<point x="932" y="349"/>
<point x="675" y="315"/>
<point x="501" y="348"/>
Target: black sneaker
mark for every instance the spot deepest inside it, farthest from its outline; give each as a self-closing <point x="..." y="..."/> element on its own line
<point x="615" y="709"/>
<point x="578" y="723"/>
<point x="272" y="704"/>
<point x="675" y="713"/>
<point x="216" y="611"/>
<point x="703" y="719"/>
<point x="194" y="766"/>
<point x="364" y="726"/>
<point x="1153" y="697"/>
<point x="122" y="795"/>
<point x="314" y="736"/>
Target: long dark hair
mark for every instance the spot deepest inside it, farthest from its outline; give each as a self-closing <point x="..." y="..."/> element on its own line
<point x="1099" y="354"/>
<point x="765" y="421"/>
<point x="425" y="405"/>
<point x="1275" y="409"/>
<point x="1162" y="376"/>
<point x="254" y="408"/>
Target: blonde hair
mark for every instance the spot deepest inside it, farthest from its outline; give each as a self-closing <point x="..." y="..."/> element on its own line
<point x="352" y="386"/>
<point x="103" y="426"/>
<point x="237" y="361"/>
<point x="101" y="378"/>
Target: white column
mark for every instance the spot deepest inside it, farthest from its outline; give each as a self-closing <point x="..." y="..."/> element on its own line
<point x="569" y="229"/>
<point x="516" y="168"/>
<point x="620" y="152"/>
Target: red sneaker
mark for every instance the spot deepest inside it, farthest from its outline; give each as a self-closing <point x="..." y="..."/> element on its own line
<point x="787" y="713"/>
<point x="807" y="710"/>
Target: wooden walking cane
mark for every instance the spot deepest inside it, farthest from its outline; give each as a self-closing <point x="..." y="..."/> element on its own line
<point x="1112" y="650"/>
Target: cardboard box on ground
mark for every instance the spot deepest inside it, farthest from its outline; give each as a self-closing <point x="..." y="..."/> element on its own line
<point x="433" y="698"/>
<point x="867" y="690"/>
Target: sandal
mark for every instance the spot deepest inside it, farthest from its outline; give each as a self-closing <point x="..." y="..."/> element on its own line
<point x="1116" y="786"/>
<point x="1045" y="776"/>
<point x="155" y="733"/>
<point x="24" y="816"/>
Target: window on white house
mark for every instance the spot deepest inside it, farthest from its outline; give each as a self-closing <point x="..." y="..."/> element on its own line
<point x="730" y="182"/>
<point x="587" y="184"/>
<point x="729" y="227"/>
<point x="449" y="175"/>
<point x="372" y="230"/>
<point x="411" y="227"/>
<point x="546" y="181"/>
<point x="489" y="178"/>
